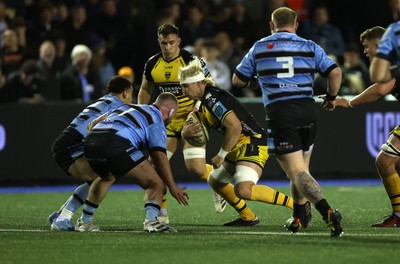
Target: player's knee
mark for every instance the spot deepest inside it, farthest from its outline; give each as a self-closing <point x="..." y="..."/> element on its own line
<point x="243" y="191"/>
<point x="198" y="171"/>
<point x="380" y="161"/>
<point x="157" y="186"/>
<point x="195" y="161"/>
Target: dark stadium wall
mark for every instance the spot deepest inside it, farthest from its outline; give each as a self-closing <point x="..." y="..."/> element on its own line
<point x="347" y="142"/>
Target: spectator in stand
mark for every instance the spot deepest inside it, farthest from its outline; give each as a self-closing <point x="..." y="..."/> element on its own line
<point x="18" y="24"/>
<point x="61" y="14"/>
<point x="174" y="9"/>
<point x="12" y="54"/>
<point x="4" y="19"/>
<point x="23" y="85"/>
<point x="231" y="55"/>
<point x="77" y="30"/>
<point x="150" y="42"/>
<point x="325" y="34"/>
<point x="61" y="61"/>
<point x="77" y="82"/>
<point x="100" y="63"/>
<point x="195" y="26"/>
<point x="239" y="26"/>
<point x="355" y="72"/>
<point x="48" y="72"/>
<point x="228" y="52"/>
<point x="112" y="25"/>
<point x="219" y="70"/>
<point x="128" y="73"/>
<point x="43" y="27"/>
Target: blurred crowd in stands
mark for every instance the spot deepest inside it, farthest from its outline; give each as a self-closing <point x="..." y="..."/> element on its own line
<point x="67" y="50"/>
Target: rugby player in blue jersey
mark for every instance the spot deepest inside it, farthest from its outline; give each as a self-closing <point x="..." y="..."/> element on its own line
<point x="67" y="149"/>
<point x="284" y="65"/>
<point x="115" y="148"/>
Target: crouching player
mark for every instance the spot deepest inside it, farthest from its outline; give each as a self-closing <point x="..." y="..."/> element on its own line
<point x="115" y="146"/>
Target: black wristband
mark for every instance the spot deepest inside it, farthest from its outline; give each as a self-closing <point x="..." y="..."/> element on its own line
<point x="330" y="97"/>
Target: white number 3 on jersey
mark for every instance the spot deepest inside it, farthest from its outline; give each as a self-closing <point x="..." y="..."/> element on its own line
<point x="288" y="64"/>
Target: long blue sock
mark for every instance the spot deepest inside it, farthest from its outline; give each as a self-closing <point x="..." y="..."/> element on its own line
<point x="152" y="209"/>
<point x="78" y="198"/>
<point x="74" y="202"/>
<point x="88" y="211"/>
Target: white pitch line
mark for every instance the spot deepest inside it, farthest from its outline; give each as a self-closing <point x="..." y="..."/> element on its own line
<point x="219" y="232"/>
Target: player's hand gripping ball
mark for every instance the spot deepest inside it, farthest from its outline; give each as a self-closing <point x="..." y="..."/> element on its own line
<point x="194" y="131"/>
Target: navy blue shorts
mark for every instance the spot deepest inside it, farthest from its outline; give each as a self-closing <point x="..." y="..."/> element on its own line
<point x="108" y="153"/>
<point x="67" y="148"/>
<point x="292" y="139"/>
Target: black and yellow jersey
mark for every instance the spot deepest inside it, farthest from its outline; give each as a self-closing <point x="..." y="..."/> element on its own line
<point x="218" y="103"/>
<point x="396" y="89"/>
<point x="164" y="74"/>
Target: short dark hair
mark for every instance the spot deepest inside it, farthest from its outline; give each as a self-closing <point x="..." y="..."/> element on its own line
<point x="118" y="84"/>
<point x="29" y="67"/>
<point x="168" y="29"/>
<point x="372" y="33"/>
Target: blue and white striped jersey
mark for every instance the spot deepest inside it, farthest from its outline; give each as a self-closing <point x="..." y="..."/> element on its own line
<point x="285" y="65"/>
<point x="389" y="46"/>
<point x="142" y="125"/>
<point x="103" y="105"/>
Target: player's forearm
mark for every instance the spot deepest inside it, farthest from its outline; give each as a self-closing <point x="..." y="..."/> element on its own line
<point x="373" y="93"/>
<point x="334" y="81"/>
<point x="163" y="168"/>
<point x="143" y="96"/>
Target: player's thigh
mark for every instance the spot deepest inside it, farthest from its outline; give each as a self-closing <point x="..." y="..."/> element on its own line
<point x="81" y="170"/>
<point x="144" y="175"/>
<point x="292" y="163"/>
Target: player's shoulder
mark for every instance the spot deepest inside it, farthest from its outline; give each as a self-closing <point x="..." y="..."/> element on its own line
<point x="153" y="60"/>
<point x="215" y="94"/>
<point x="187" y="56"/>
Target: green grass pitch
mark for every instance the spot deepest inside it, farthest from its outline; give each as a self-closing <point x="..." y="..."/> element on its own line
<point x="25" y="235"/>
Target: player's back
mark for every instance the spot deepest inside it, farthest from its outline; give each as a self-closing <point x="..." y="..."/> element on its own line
<point x="104" y="104"/>
<point x="135" y="123"/>
<point x="286" y="64"/>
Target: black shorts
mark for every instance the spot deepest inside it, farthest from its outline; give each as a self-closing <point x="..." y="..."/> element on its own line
<point x="108" y="153"/>
<point x="67" y="148"/>
<point x="292" y="139"/>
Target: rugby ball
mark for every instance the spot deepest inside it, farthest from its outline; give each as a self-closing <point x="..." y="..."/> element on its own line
<point x="202" y="136"/>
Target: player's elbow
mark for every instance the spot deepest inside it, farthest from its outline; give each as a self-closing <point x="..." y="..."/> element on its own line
<point x="377" y="77"/>
<point x="237" y="128"/>
<point x="237" y="82"/>
<point x="335" y="74"/>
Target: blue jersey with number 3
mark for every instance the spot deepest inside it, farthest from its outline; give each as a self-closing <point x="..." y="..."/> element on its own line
<point x="285" y="65"/>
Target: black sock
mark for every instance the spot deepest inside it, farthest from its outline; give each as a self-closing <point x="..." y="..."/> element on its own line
<point x="323" y="207"/>
<point x="299" y="210"/>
